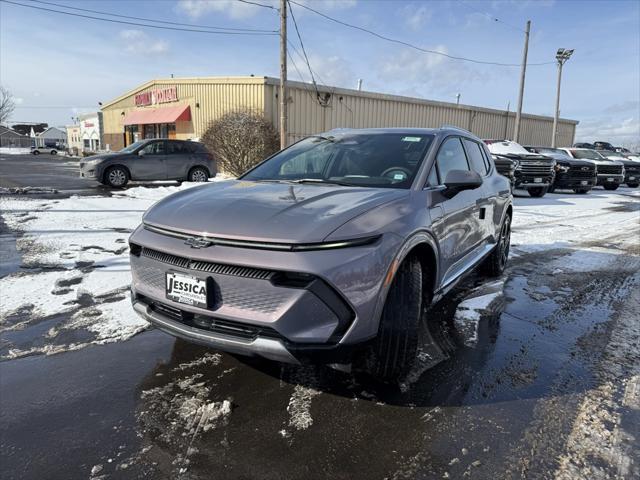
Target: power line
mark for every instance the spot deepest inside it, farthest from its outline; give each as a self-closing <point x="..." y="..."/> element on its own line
<point x="306" y="58"/>
<point x="133" y="23"/>
<point x="258" y="4"/>
<point x="151" y="19"/>
<point x="410" y="45"/>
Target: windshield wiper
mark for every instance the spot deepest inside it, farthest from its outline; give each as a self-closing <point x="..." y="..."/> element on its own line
<point x="321" y="180"/>
<point x="328" y="139"/>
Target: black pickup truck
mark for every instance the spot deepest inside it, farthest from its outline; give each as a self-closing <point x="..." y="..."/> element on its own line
<point x="533" y="172"/>
<point x="631" y="168"/>
<point x="571" y="173"/>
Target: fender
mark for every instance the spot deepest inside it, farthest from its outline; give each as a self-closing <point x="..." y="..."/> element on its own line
<point x="422" y="237"/>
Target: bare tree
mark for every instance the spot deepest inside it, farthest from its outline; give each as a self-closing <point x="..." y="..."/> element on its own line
<point x="7" y="104"/>
<point x="240" y="139"/>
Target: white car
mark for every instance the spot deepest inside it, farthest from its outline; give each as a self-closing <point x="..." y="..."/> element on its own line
<point x="610" y="172"/>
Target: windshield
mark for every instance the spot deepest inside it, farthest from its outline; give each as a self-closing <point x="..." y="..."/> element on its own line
<point x="507" y="146"/>
<point x="131" y="148"/>
<point x="589" y="154"/>
<point x="611" y="154"/>
<point x="363" y="159"/>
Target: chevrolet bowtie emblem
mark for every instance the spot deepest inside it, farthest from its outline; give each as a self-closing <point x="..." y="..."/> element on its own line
<point x="198" y="242"/>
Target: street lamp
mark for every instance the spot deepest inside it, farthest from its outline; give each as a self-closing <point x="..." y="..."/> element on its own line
<point x="561" y="56"/>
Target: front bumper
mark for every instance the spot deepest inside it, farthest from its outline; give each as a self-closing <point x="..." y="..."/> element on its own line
<point x="528" y="181"/>
<point x="256" y="309"/>
<point x="609" y="179"/>
<point x="89" y="171"/>
<point x="572" y="179"/>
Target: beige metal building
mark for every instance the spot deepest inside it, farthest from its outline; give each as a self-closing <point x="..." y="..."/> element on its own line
<point x="183" y="107"/>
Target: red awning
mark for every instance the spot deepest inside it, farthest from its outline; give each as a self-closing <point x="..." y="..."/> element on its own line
<point x="158" y="115"/>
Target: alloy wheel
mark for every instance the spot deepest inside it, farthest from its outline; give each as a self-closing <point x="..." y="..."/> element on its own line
<point x="117" y="177"/>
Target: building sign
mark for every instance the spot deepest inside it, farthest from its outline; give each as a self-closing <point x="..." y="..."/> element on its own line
<point x="88" y="125"/>
<point x="160" y="95"/>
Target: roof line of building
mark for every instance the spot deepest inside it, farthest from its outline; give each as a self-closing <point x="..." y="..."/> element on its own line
<point x="325" y="89"/>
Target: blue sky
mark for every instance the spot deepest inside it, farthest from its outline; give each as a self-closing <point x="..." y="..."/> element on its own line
<point x="57" y="65"/>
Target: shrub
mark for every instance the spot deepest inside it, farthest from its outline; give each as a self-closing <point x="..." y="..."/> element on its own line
<point x="239" y="140"/>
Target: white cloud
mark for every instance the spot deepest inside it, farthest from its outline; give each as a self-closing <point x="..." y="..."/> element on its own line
<point x="331" y="70"/>
<point x="241" y="10"/>
<point x="416" y="18"/>
<point x="623" y="107"/>
<point x="233" y="8"/>
<point x="624" y="131"/>
<point x="136" y="41"/>
<point x="428" y="73"/>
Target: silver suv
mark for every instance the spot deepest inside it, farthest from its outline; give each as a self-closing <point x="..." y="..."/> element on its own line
<point x="329" y="250"/>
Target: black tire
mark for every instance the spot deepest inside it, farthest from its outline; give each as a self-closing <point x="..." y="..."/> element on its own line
<point x="551" y="189"/>
<point x="611" y="186"/>
<point x="54" y="152"/>
<point x="633" y="185"/>
<point x="198" y="174"/>
<point x="495" y="264"/>
<point x="582" y="191"/>
<point x="394" y="351"/>
<point x="116" y="176"/>
<point x="36" y="152"/>
<point x="537" y="192"/>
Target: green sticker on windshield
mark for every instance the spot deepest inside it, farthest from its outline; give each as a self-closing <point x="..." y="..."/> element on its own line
<point x="411" y="139"/>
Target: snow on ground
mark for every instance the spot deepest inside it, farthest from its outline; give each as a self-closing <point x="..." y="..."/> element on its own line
<point x="15" y="150"/>
<point x="75" y="259"/>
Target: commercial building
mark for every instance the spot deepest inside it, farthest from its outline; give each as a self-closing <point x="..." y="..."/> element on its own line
<point x="11" y="139"/>
<point x="91" y="131"/>
<point x="183" y="107"/>
<point x="74" y="139"/>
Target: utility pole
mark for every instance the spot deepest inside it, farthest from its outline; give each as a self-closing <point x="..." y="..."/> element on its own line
<point x="562" y="56"/>
<point x="283" y="74"/>
<point x="523" y="71"/>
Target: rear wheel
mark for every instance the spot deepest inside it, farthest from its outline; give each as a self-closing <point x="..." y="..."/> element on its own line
<point x="198" y="174"/>
<point x="394" y="351"/>
<point x="36" y="152"/>
<point x="116" y="177"/>
<point x="537" y="192"/>
<point x="497" y="261"/>
<point x="610" y="186"/>
<point x="54" y="152"/>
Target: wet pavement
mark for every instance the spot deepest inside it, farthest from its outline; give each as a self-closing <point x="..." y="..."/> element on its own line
<point x="548" y="389"/>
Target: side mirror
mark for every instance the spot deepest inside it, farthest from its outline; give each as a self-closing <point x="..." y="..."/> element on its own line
<point x="459" y="180"/>
<point x="141" y="153"/>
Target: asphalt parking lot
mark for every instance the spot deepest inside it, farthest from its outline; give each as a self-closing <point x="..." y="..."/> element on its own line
<point x="548" y="388"/>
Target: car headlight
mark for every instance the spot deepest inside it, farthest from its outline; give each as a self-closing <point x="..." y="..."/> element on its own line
<point x="562" y="168"/>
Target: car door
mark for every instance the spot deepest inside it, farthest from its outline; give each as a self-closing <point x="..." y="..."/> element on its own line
<point x="488" y="195"/>
<point x="150" y="162"/>
<point x="454" y="220"/>
<point x="179" y="159"/>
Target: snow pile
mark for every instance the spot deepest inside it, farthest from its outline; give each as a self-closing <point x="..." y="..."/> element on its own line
<point x="15" y="151"/>
<point x="299" y="407"/>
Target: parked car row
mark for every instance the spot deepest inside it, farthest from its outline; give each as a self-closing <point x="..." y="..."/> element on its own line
<point x="540" y="169"/>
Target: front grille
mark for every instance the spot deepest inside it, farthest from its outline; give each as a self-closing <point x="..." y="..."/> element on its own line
<point x="610" y="169"/>
<point x="578" y="172"/>
<point x="202" y="266"/>
<point x="532" y="169"/>
<point x="632" y="170"/>
<point x="230" y="328"/>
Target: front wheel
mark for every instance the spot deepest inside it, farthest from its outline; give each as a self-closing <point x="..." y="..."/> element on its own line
<point x="610" y="186"/>
<point x="116" y="177"/>
<point x="537" y="192"/>
<point x="497" y="261"/>
<point x="394" y="351"/>
<point x="551" y="189"/>
<point x="633" y="185"/>
<point x="582" y="191"/>
<point x="198" y="174"/>
<point x="36" y="152"/>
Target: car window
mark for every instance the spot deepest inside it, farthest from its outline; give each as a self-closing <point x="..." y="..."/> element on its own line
<point x="311" y="163"/>
<point x="451" y="157"/>
<point x="174" y="148"/>
<point x="432" y="180"/>
<point x="475" y="156"/>
<point x="154" y="148"/>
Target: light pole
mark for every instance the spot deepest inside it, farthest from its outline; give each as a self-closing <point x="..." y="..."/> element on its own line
<point x="562" y="56"/>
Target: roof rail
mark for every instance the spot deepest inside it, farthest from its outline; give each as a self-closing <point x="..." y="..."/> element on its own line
<point x="454" y="127"/>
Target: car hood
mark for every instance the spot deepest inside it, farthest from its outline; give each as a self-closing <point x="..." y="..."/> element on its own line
<point x="574" y="162"/>
<point x="265" y="211"/>
<point x="531" y="157"/>
<point x="603" y="162"/>
<point x="101" y="156"/>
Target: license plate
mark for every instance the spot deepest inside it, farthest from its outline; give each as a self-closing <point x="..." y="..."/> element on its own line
<point x="537" y="180"/>
<point x="609" y="179"/>
<point x="584" y="182"/>
<point x="186" y="289"/>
